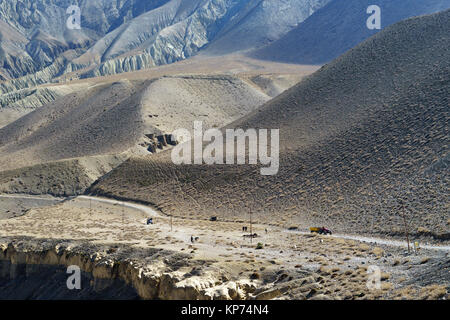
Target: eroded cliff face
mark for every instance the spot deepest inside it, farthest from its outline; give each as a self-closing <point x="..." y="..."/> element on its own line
<point x="38" y="267"/>
<point x="34" y="33"/>
<point x="121" y="36"/>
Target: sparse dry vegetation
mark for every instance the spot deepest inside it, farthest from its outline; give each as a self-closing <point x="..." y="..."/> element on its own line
<point x="351" y="147"/>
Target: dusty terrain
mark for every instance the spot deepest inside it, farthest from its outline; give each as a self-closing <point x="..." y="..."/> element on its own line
<point x="364" y="144"/>
<point x="16" y="205"/>
<point x="16" y="104"/>
<point x="221" y="264"/>
<point x="64" y="146"/>
<point x="357" y="137"/>
<point x="280" y="76"/>
<point x="59" y="178"/>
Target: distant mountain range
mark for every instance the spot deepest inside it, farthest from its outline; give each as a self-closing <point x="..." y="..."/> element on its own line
<point x="36" y="46"/>
<point x="339" y="26"/>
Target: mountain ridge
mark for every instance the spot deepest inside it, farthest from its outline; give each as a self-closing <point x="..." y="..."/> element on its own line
<point x="339" y="26"/>
<point x="132" y="35"/>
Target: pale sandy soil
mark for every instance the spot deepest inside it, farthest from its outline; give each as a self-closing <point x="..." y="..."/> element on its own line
<point x="339" y="264"/>
<point x="233" y="64"/>
<point x="16" y="205"/>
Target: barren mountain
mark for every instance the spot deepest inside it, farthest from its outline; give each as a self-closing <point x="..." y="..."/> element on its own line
<point x="362" y="141"/>
<point x="113" y="117"/>
<point x="271" y="78"/>
<point x="94" y="125"/>
<point x="340" y="26"/>
<point x="36" y="46"/>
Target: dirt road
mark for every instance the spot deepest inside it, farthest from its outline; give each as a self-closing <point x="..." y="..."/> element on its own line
<point x="395" y="243"/>
<point x="150" y="212"/>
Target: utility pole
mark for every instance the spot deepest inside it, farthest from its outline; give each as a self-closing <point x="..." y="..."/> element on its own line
<point x="90" y="206"/>
<point x="404" y="221"/>
<point x="251" y="228"/>
<point x="123" y="220"/>
<point x="251" y="210"/>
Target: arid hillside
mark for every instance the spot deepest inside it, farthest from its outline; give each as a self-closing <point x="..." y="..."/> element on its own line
<point x="88" y="127"/>
<point x="271" y="77"/>
<point x="100" y="120"/>
<point x="340" y="26"/>
<point x="364" y="134"/>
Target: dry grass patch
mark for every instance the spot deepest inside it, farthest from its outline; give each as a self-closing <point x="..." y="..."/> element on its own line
<point x="364" y="247"/>
<point x="377" y="251"/>
<point x="433" y="292"/>
<point x="424" y="260"/>
<point x="385" y="286"/>
<point x="385" y="276"/>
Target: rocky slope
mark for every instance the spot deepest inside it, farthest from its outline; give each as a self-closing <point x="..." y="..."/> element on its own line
<point x="64" y="146"/>
<point x="179" y="30"/>
<point x="363" y="133"/>
<point x="16" y="104"/>
<point x="338" y="27"/>
<point x="60" y="178"/>
<point x="111" y="118"/>
<point x="40" y="32"/>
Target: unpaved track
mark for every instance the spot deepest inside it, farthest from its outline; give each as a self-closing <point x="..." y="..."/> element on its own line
<point x="380" y="241"/>
<point x="154" y="213"/>
<point x="12" y="206"/>
<point x="26" y="197"/>
<point x="394" y="243"/>
<point x="147" y="210"/>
